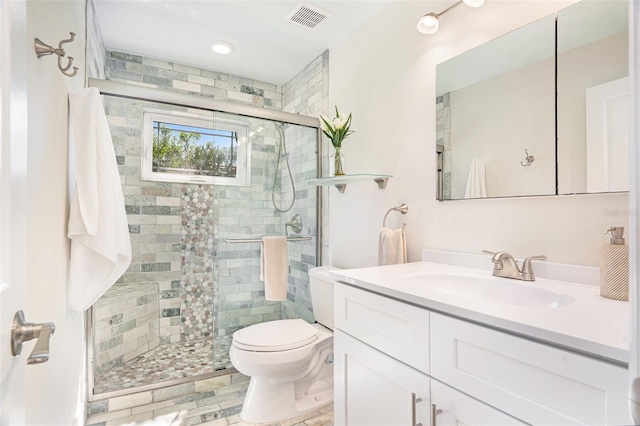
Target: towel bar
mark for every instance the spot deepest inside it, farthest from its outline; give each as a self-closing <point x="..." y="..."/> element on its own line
<point x="259" y="240"/>
<point x="402" y="208"/>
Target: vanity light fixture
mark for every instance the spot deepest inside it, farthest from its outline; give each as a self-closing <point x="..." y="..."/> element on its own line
<point x="222" y="47"/>
<point x="429" y="23"/>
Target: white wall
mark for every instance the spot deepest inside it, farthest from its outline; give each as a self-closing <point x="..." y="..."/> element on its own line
<point x="384" y="73"/>
<point x="53" y="388"/>
<point x="495" y="120"/>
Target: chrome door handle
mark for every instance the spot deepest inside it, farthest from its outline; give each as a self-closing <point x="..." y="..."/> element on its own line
<point x="414" y="401"/>
<point x="23" y="331"/>
<point x="434" y="412"/>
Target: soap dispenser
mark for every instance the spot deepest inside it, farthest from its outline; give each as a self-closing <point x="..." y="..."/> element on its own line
<point x="614" y="266"/>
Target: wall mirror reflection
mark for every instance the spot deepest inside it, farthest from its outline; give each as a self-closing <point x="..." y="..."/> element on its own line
<point x="593" y="97"/>
<point x="493" y="103"/>
<point x="497" y="109"/>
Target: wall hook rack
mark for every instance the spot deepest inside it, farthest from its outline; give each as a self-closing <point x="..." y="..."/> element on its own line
<point x="530" y="159"/>
<point x="43" y="49"/>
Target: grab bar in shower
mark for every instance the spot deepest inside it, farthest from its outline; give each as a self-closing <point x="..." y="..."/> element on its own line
<point x="259" y="240"/>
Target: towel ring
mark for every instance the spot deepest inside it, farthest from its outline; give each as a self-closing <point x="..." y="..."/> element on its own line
<point x="402" y="208"/>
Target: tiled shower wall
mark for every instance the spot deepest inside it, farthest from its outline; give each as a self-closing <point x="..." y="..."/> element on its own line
<point x="127" y="324"/>
<point x="159" y="74"/>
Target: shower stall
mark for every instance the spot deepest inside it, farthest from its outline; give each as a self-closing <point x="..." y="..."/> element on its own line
<point x="203" y="181"/>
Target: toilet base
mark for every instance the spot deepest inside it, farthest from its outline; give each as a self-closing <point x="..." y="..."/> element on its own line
<point x="269" y="403"/>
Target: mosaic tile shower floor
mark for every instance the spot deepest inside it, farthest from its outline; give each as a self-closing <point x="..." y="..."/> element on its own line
<point x="164" y="363"/>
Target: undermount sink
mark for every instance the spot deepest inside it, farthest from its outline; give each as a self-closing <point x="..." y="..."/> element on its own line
<point x="490" y="289"/>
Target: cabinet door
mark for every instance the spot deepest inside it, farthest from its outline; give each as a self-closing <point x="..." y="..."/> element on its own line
<point x="460" y="409"/>
<point x="373" y="389"/>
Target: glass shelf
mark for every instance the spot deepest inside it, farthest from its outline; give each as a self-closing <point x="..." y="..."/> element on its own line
<point x="341" y="182"/>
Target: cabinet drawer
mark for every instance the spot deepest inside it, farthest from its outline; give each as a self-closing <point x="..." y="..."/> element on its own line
<point x="534" y="382"/>
<point x="460" y="409"/>
<point x="395" y="328"/>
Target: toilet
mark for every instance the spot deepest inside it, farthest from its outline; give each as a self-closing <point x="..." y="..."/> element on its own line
<point x="290" y="361"/>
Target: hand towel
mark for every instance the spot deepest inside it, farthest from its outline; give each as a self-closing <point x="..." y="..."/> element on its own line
<point x="476" y="186"/>
<point x="100" y="243"/>
<point x="274" y="267"/>
<point x="392" y="247"/>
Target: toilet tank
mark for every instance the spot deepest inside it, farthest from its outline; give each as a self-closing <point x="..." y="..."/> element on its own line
<point x="322" y="294"/>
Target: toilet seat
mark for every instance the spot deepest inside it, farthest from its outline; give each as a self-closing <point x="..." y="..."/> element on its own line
<point x="275" y="336"/>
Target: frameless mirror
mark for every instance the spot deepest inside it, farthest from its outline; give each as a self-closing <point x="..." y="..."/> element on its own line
<point x="501" y="129"/>
<point x="593" y="97"/>
<point x="495" y="117"/>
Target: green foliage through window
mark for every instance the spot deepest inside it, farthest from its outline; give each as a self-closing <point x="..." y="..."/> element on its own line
<point x="194" y="150"/>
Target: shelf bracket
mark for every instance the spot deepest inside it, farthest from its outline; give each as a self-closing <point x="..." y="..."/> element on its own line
<point x="382" y="182"/>
<point x="341" y="187"/>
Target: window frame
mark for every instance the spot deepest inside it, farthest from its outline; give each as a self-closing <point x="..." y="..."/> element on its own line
<point x="180" y="118"/>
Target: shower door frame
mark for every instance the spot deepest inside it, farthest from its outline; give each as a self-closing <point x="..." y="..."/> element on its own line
<point x="129" y="91"/>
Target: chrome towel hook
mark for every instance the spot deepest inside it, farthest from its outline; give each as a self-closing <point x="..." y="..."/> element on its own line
<point x="43" y="49"/>
<point x="529" y="159"/>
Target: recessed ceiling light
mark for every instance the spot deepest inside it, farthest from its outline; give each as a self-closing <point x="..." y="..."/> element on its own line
<point x="222" y="47"/>
<point x="473" y="3"/>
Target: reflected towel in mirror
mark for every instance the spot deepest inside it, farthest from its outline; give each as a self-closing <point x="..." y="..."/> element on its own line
<point x="476" y="185"/>
<point x="392" y="247"/>
<point x="274" y="267"/>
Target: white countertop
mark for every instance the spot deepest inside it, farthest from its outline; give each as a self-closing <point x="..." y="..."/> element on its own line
<point x="590" y="324"/>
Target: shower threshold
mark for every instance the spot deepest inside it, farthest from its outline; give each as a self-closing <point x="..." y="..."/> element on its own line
<point x="168" y="363"/>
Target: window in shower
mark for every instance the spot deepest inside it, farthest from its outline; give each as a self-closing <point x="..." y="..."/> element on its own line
<point x="189" y="148"/>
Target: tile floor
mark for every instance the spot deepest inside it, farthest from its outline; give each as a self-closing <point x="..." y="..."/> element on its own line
<point x="161" y="364"/>
<point x="211" y="402"/>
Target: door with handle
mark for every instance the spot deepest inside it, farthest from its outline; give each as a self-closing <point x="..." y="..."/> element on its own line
<point x="13" y="202"/>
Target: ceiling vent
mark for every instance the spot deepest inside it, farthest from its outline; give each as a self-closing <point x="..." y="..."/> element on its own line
<point x="308" y="15"/>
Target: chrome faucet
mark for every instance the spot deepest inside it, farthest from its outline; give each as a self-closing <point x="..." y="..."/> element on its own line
<point x="506" y="266"/>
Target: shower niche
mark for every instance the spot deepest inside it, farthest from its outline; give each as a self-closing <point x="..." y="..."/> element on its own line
<point x="189" y="184"/>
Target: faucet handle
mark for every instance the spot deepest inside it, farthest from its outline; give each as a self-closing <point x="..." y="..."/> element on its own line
<point x="526" y="266"/>
<point x="492" y="253"/>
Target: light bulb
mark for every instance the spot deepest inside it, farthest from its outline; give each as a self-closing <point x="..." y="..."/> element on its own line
<point x="473" y="3"/>
<point x="428" y="24"/>
<point x="222" y="47"/>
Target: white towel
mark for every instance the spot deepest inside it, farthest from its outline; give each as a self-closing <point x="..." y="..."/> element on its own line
<point x="100" y="243"/>
<point x="392" y="247"/>
<point x="476" y="186"/>
<point x="274" y="267"/>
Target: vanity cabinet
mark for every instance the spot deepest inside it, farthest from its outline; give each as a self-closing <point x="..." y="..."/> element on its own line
<point x="374" y="389"/>
<point x="386" y="350"/>
<point x="536" y="383"/>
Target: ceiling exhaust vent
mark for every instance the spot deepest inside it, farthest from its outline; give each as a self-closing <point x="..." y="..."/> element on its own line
<point x="308" y="15"/>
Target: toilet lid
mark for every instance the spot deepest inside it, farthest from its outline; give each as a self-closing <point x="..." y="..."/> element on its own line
<point x="273" y="336"/>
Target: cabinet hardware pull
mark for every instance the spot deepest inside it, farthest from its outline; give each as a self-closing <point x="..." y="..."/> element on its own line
<point x="414" y="401"/>
<point x="434" y="412"/>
